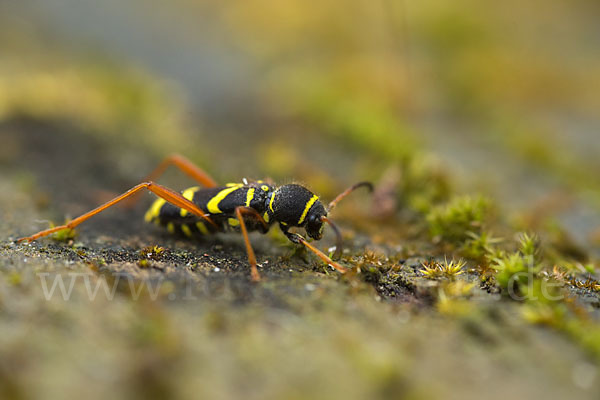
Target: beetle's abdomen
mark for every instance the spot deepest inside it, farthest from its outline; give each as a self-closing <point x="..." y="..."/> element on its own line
<point x="218" y="203"/>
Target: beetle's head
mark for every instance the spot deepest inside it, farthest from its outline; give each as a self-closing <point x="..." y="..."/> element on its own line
<point x="314" y="221"/>
<point x="294" y="205"/>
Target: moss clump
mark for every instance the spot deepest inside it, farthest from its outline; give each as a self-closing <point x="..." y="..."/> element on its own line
<point x="516" y="270"/>
<point x="513" y="272"/>
<point x="152" y="253"/>
<point x="64" y="235"/>
<point x="588" y="283"/>
<point x="529" y="247"/>
<point x="568" y="277"/>
<point x="478" y="246"/>
<point x="453" y="221"/>
<point x="448" y="269"/>
<point x="148" y="254"/>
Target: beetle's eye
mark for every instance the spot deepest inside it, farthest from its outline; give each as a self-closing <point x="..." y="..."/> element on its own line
<point x="313" y="221"/>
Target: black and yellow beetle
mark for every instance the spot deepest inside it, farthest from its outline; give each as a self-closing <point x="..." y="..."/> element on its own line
<point x="246" y="206"/>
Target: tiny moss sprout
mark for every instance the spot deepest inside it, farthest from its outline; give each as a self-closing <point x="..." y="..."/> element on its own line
<point x="64" y="235"/>
<point x="152" y="253"/>
<point x="479" y="245"/>
<point x="447" y="269"/>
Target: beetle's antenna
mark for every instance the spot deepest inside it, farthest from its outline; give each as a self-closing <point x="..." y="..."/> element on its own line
<point x="346" y="192"/>
<point x="338" y="243"/>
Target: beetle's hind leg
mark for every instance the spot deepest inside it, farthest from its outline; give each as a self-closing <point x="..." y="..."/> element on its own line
<point x="185" y="166"/>
<point x="169" y="195"/>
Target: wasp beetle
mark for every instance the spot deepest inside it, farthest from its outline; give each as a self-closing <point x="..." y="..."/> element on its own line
<point x="244" y="207"/>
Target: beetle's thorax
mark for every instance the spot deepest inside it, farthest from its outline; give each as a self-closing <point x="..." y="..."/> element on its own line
<point x="294" y="205"/>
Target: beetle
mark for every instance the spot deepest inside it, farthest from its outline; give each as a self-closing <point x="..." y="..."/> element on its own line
<point x="246" y="206"/>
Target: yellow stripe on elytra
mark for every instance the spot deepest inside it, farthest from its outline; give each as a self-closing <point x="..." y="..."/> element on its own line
<point x="171" y="227"/>
<point x="308" y="206"/>
<point x="154" y="210"/>
<point x="249" y="196"/>
<point x="202" y="228"/>
<point x="188" y="194"/>
<point x="186" y="230"/>
<point x="213" y="204"/>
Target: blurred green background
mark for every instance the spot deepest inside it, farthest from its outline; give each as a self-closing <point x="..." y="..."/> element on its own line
<point x="431" y="100"/>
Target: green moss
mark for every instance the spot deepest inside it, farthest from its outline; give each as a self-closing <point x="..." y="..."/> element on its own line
<point x="64" y="235"/>
<point x="448" y="269"/>
<point x="462" y="214"/>
<point x="155" y="253"/>
<point x="529" y="247"/>
<point x="517" y="270"/>
<point x="479" y="246"/>
<point x="514" y="272"/>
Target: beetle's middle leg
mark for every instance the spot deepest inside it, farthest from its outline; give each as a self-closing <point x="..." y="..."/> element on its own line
<point x="239" y="213"/>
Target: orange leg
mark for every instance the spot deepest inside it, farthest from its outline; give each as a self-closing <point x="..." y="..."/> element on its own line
<point x="299" y="239"/>
<point x="169" y="195"/>
<point x="186" y="166"/>
<point x="251" y="257"/>
<point x="322" y="256"/>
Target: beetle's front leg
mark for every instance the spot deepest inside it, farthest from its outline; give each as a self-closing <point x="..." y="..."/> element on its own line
<point x="298" y="239"/>
<point x="293" y="237"/>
